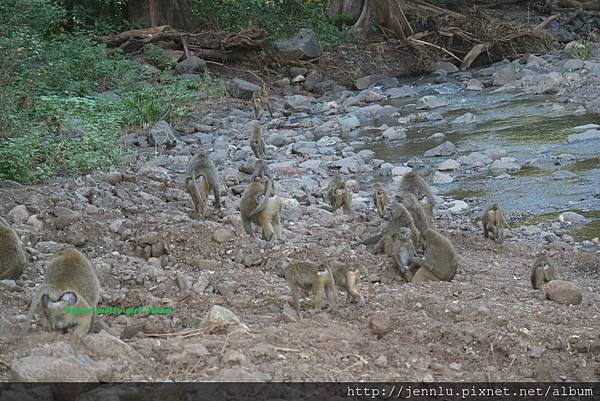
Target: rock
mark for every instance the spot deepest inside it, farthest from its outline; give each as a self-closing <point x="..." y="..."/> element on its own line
<point x="504" y="164"/>
<point x="238" y="374"/>
<point x="191" y="65"/>
<point x="458" y="206"/>
<point x="18" y="215"/>
<point x="583" y="128"/>
<point x="593" y="106"/>
<point x="430" y="102"/>
<point x="184" y="281"/>
<point x="366" y="154"/>
<point x="103" y="345"/>
<point x="49" y="247"/>
<point x="562" y="175"/>
<point x="223" y="235"/>
<point x="242" y="89"/>
<point x="467" y="118"/>
<point x="572" y="217"/>
<point x="589" y="135"/>
<point x="397" y="93"/>
<point x="305" y="148"/>
<point x="366" y="81"/>
<point x="504" y="76"/>
<point x="445" y="149"/>
<point x="75" y="235"/>
<point x="7" y="328"/>
<point x="448" y="165"/>
<point x="438" y="136"/>
<point x="348" y="122"/>
<point x="572" y="65"/>
<point x="563" y="292"/>
<point x="220" y="315"/>
<point x="160" y="135"/>
<point x="381" y="361"/>
<point x="371" y="96"/>
<point x="473" y="85"/>
<point x="394" y="133"/>
<point x="304" y="44"/>
<point x="299" y="103"/>
<point x="371" y="112"/>
<point x="50" y="369"/>
<point x="380" y="324"/>
<point x="441" y="178"/>
<point x="445" y="66"/>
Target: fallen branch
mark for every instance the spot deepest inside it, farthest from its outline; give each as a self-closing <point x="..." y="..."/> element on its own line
<point x="422" y="42"/>
<point x="473" y="54"/>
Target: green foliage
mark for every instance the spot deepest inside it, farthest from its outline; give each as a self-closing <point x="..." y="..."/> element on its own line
<point x="581" y="49"/>
<point x="65" y="101"/>
<point x="157" y="57"/>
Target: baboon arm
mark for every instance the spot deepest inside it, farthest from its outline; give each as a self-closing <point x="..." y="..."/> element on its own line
<point x="372" y="240"/>
<point x="260" y="207"/>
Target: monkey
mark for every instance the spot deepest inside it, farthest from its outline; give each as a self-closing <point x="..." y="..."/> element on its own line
<point x="260" y="101"/>
<point x="262" y="210"/>
<point x="413" y="183"/>
<point x="202" y="166"/>
<point x="307" y="276"/>
<point x="493" y="223"/>
<point x="402" y="250"/>
<point x="257" y="143"/>
<point x="542" y="271"/>
<point x="415" y="209"/>
<point x="347" y="278"/>
<point x="397" y="217"/>
<point x="439" y="262"/>
<point x="338" y="193"/>
<point x="12" y="255"/>
<point x="70" y="283"/>
<point x="262" y="173"/>
<point x="380" y="198"/>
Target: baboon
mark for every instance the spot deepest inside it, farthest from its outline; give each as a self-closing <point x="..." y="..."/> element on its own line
<point x="402" y="250"/>
<point x="307" y="276"/>
<point x="202" y="166"/>
<point x="380" y="198"/>
<point x="413" y="183"/>
<point x="262" y="210"/>
<point x="415" y="208"/>
<point x="70" y="283"/>
<point x="260" y="101"/>
<point x="493" y="223"/>
<point x="257" y="143"/>
<point x="439" y="261"/>
<point x="262" y="173"/>
<point x="398" y="216"/>
<point x="542" y="271"/>
<point x="348" y="278"/>
<point x="338" y="194"/>
<point x="12" y="254"/>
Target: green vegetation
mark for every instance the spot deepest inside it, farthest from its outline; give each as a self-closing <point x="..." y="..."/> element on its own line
<point x="281" y="18"/>
<point x="582" y="49"/>
<point x="65" y="101"/>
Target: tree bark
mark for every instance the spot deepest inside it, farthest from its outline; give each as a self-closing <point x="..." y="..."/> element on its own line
<point x="175" y="13"/>
<point x="364" y="20"/>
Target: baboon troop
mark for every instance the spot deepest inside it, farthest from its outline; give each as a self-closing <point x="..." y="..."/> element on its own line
<point x="263" y="210"/>
<point x="70" y="282"/>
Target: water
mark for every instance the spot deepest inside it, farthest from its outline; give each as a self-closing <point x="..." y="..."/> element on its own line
<point x="526" y="127"/>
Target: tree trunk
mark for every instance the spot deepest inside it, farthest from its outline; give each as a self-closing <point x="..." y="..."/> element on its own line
<point x="364" y="20"/>
<point x="176" y="13"/>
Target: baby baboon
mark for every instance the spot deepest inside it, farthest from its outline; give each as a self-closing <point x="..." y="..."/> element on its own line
<point x="70" y="282"/>
<point x="307" y="276"/>
<point x="493" y="223"/>
<point x="260" y="101"/>
<point x="380" y="198"/>
<point x="439" y="262"/>
<point x="12" y="254"/>
<point x="402" y="250"/>
<point x="415" y="208"/>
<point x="257" y="143"/>
<point x="347" y="278"/>
<point x="265" y="211"/>
<point x="202" y="166"/>
<point x="398" y="216"/>
<point x="263" y="174"/>
<point x="413" y="183"/>
<point x="338" y="194"/>
<point x="542" y="271"/>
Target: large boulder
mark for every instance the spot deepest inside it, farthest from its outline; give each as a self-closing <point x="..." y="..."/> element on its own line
<point x="161" y="135"/>
<point x="242" y="89"/>
<point x="191" y="65"/>
<point x="304" y="44"/>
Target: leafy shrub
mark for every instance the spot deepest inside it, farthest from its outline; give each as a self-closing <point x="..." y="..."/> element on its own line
<point x="581" y="49"/>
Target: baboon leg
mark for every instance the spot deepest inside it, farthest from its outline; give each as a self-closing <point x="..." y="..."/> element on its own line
<point x="247" y="227"/>
<point x="331" y="293"/>
<point x="317" y="295"/>
<point x="296" y="299"/>
<point x="267" y="227"/>
<point x="352" y="290"/>
<point x="84" y="325"/>
<point x="423" y="274"/>
<point x="277" y="226"/>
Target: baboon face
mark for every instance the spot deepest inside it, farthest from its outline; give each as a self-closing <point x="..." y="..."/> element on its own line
<point x="404" y="234"/>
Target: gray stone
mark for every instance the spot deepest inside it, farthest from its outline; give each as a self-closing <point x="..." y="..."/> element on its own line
<point x="305" y="148"/>
<point x="563" y="292"/>
<point x="160" y="135"/>
<point x="438" y="136"/>
<point x="473" y="85"/>
<point x="49" y="369"/>
<point x="304" y="44"/>
<point x="475" y="159"/>
<point x="441" y="178"/>
<point x="397" y="93"/>
<point x="18" y="214"/>
<point x="589" y="135"/>
<point x="572" y="217"/>
<point x="394" y="133"/>
<point x="458" y="206"/>
<point x="467" y="118"/>
<point x="593" y="106"/>
<point x="583" y="128"/>
<point x="353" y="163"/>
<point x="366" y="154"/>
<point x="562" y="175"/>
<point x="221" y="235"/>
<point x="300" y="103"/>
<point x="370" y="112"/>
<point x="349" y="122"/>
<point x="430" y="102"/>
<point x="448" y="165"/>
<point x="242" y="89"/>
<point x="504" y="164"/>
<point x="219" y="315"/>
<point x="191" y="65"/>
<point x="365" y="82"/>
<point x="445" y="66"/>
<point x="504" y="76"/>
<point x="572" y="65"/>
<point x="445" y="149"/>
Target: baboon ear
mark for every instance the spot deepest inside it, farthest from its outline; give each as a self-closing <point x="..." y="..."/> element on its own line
<point x="69" y="298"/>
<point x="45" y="300"/>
